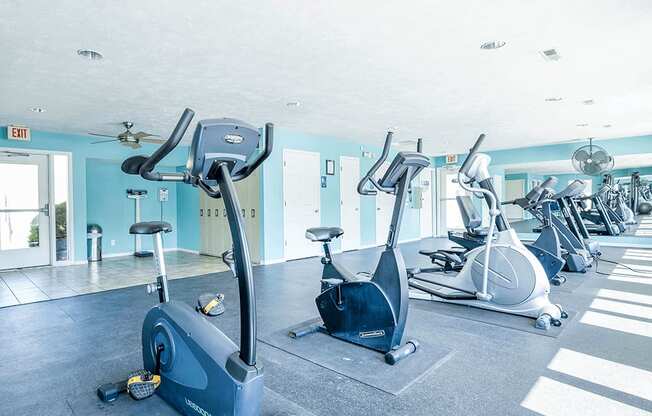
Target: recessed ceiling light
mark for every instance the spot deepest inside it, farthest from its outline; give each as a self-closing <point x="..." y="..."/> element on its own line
<point x="494" y="44"/>
<point x="588" y="102"/>
<point x="582" y="124"/>
<point x="38" y="109"/>
<point x="89" y="54"/>
<point x="553" y="99"/>
<point x="550" y="55"/>
<point x="293" y="104"/>
<point x="606" y="126"/>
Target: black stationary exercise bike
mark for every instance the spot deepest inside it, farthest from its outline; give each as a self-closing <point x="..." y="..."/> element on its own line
<point x="371" y="312"/>
<point x="188" y="361"/>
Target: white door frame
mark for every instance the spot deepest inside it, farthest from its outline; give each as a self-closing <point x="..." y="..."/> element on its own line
<point x="428" y="173"/>
<point x="440" y="223"/>
<point x="359" y="237"/>
<point x="513" y="212"/>
<point x="285" y="221"/>
<point x="70" y="226"/>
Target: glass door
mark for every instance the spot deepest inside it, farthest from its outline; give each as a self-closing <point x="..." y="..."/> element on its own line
<point x="24" y="210"/>
<point x="450" y="218"/>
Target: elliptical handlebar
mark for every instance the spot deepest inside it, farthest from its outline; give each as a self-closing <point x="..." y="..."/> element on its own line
<point x="146" y="169"/>
<point x="549" y="183"/>
<point x="369" y="177"/>
<point x="472" y="151"/>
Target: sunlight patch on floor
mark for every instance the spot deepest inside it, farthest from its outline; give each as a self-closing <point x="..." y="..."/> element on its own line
<point x="636" y="257"/>
<point x="553" y="398"/>
<point x="617" y="323"/>
<point x="622" y="308"/>
<point x="629" y="279"/>
<point x="628" y="379"/>
<point x="629" y="272"/>
<point x="626" y="296"/>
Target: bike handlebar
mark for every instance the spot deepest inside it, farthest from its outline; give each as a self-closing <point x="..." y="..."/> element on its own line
<point x="260" y="158"/>
<point x="146" y="169"/>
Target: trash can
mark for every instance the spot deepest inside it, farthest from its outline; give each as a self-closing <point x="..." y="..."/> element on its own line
<point x="94" y="242"/>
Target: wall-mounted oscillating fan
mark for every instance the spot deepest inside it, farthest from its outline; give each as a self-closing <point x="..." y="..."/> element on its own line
<point x="592" y="160"/>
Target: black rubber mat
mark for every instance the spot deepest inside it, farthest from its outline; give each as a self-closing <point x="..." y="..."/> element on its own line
<point x="505" y="320"/>
<point x="365" y="365"/>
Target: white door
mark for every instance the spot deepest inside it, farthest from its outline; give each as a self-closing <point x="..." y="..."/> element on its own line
<point x="301" y="187"/>
<point x="350" y="202"/>
<point x="514" y="189"/>
<point x="24" y="210"/>
<point x="450" y="217"/>
<point x="425" y="215"/>
<point x="384" y="210"/>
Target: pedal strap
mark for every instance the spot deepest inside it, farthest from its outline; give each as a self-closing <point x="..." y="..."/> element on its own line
<point x="211" y="304"/>
<point x="142" y="384"/>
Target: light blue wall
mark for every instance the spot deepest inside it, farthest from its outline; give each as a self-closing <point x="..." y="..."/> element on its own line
<point x="188" y="236"/>
<point x="329" y="148"/>
<point x="98" y="185"/>
<point x="616" y="146"/>
<point x="108" y="205"/>
<point x="81" y="149"/>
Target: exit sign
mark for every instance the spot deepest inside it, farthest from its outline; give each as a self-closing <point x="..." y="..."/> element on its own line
<point x="18" y="133"/>
<point x="450" y="159"/>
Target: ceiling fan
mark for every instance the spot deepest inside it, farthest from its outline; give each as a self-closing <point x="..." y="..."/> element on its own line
<point x="129" y="139"/>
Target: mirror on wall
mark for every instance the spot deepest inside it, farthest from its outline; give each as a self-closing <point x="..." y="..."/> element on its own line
<point x="613" y="204"/>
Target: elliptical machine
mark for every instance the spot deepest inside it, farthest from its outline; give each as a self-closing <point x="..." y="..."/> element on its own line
<point x="503" y="275"/>
<point x="200" y="369"/>
<point x="371" y="312"/>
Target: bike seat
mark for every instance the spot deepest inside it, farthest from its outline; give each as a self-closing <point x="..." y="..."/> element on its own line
<point x="150" y="227"/>
<point x="323" y="234"/>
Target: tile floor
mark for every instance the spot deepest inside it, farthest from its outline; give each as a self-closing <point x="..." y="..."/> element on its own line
<point x="22" y="286"/>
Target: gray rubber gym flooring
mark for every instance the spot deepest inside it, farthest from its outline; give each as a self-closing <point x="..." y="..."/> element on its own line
<point x="54" y="354"/>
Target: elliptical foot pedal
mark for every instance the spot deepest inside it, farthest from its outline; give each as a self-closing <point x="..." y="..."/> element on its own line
<point x="211" y="304"/>
<point x="394" y="356"/>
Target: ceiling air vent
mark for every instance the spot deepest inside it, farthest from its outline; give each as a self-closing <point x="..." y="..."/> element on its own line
<point x="550" y="55"/>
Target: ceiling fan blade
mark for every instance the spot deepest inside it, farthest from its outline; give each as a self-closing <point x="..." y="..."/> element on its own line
<point x="142" y="135"/>
<point x="133" y="145"/>
<point x="102" y="135"/>
<point x="153" y="140"/>
<point x="106" y="141"/>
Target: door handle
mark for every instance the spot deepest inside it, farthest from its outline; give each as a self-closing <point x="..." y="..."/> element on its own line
<point x="201" y="212"/>
<point x="316" y="211"/>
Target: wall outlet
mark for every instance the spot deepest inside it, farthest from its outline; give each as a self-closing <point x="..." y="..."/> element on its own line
<point x="112" y="243"/>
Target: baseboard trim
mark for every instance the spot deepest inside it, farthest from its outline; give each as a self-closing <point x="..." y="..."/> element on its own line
<point x="186" y="250"/>
<point x="272" y="261"/>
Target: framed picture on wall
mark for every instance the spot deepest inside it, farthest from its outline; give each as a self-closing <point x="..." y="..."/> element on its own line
<point x="330" y="167"/>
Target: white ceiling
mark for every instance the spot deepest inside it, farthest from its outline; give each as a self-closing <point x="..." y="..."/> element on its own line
<point x="357" y="67"/>
<point x="565" y="166"/>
